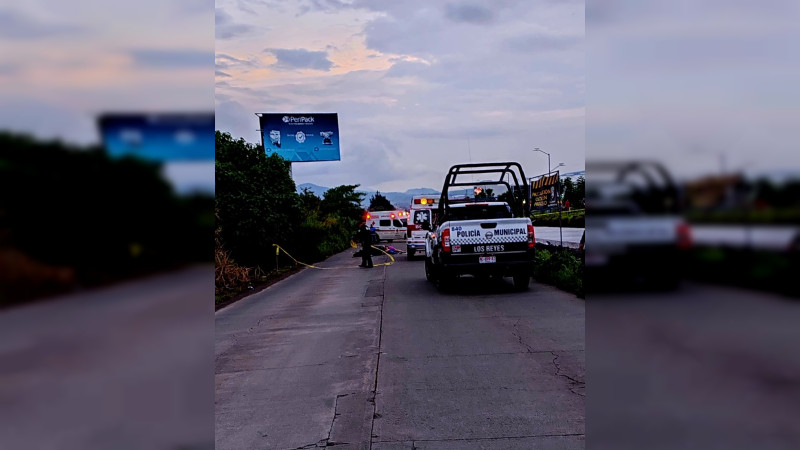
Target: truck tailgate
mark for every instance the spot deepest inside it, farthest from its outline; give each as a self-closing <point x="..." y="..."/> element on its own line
<point x="494" y="235"/>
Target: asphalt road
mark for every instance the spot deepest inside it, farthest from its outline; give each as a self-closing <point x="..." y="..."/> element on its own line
<point x="121" y="367"/>
<point x="701" y="367"/>
<point x="377" y="358"/>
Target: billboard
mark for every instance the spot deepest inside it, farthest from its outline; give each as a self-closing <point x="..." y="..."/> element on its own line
<point x="544" y="191"/>
<point x="159" y="136"/>
<point x="301" y="137"/>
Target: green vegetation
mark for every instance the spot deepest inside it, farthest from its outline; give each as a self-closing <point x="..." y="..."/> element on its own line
<point x="569" y="219"/>
<point x="765" y="216"/>
<point x="574" y="192"/>
<point x="380" y="203"/>
<point x="71" y="216"/>
<point x="559" y="267"/>
<point x="754" y="269"/>
<point x="257" y="206"/>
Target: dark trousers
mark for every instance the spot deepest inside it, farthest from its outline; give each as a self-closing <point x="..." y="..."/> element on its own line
<point x="366" y="256"/>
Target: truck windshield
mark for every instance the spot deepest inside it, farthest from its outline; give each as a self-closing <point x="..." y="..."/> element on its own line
<point x="472" y="212"/>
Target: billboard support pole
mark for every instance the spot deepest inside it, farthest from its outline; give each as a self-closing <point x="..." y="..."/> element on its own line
<point x="260" y="132"/>
<point x="560" y="229"/>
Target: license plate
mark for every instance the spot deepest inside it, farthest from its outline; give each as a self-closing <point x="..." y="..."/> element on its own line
<point x="487" y="259"/>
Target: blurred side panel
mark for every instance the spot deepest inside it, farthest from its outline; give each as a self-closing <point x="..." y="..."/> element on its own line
<point x="106" y="273"/>
<point x="692" y="225"/>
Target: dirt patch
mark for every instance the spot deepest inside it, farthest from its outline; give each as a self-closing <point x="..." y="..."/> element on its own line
<point x="255" y="287"/>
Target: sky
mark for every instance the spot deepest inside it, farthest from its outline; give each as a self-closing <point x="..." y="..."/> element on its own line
<point x="417" y="85"/>
<point x="64" y="63"/>
<point x="702" y="87"/>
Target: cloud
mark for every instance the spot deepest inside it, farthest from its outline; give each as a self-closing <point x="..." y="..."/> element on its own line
<point x="230" y="116"/>
<point x="172" y="59"/>
<point x="25" y="115"/>
<point x="543" y="42"/>
<point x="223" y="61"/>
<point x="301" y="58"/>
<point x="415" y="89"/>
<point x="9" y="69"/>
<point x="14" y="25"/>
<point x="407" y="69"/>
<point x="226" y="28"/>
<point x="469" y="13"/>
<point x="221" y="74"/>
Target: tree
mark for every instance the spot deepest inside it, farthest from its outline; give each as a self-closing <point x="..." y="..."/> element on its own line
<point x="570" y="192"/>
<point x="309" y="202"/>
<point x="103" y="218"/>
<point x="580" y="191"/>
<point x="380" y="203"/>
<point x="255" y="199"/>
<point x="343" y="201"/>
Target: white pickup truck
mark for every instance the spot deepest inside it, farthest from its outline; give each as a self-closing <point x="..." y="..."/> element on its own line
<point x="634" y="227"/>
<point x="482" y="235"/>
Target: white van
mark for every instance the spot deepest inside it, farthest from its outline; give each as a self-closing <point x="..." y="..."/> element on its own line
<point x="420" y="218"/>
<point x="389" y="225"/>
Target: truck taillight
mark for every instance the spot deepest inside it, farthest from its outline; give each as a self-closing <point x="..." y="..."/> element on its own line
<point x="411" y="227"/>
<point x="446" y="239"/>
<point x="531" y="237"/>
<point x="684" y="236"/>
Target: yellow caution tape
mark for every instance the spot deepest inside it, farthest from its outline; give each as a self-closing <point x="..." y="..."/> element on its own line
<point x="279" y="249"/>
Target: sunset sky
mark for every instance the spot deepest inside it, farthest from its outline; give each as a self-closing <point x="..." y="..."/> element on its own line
<point x="418" y="85"/>
<point x="64" y="63"/>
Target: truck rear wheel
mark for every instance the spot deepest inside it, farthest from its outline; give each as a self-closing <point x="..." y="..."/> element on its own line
<point x="522" y="281"/>
<point x="430" y="273"/>
<point x="444" y="282"/>
<point x="410" y="254"/>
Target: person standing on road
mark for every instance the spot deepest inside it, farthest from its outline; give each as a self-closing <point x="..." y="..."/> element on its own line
<point x="365" y="236"/>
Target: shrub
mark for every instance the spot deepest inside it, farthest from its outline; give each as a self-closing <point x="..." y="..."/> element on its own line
<point x="559" y="267"/>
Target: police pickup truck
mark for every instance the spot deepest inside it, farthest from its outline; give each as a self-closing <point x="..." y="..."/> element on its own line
<point x="482" y="234"/>
<point x="635" y="227"/>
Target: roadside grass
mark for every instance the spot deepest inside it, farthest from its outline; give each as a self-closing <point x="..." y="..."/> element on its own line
<point x="753" y="269"/>
<point x="768" y="216"/>
<point x="569" y="219"/>
<point x="254" y="283"/>
<point x="561" y="267"/>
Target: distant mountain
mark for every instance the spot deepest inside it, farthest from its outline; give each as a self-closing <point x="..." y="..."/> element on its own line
<point x="576" y="174"/>
<point x="421" y="191"/>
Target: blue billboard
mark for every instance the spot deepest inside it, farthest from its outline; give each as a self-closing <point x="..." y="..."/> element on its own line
<point x="301" y="137"/>
<point x="159" y="137"/>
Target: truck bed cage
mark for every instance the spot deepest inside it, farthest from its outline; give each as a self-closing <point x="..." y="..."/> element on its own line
<point x="504" y="172"/>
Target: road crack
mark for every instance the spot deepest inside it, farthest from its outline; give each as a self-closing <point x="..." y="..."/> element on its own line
<point x="515" y="332"/>
<point x="532" y="436"/>
<point x="574" y="384"/>
<point x="378" y="362"/>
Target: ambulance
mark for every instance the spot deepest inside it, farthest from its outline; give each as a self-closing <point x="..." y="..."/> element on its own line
<point x="420" y="218"/>
<point x="388" y="225"/>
